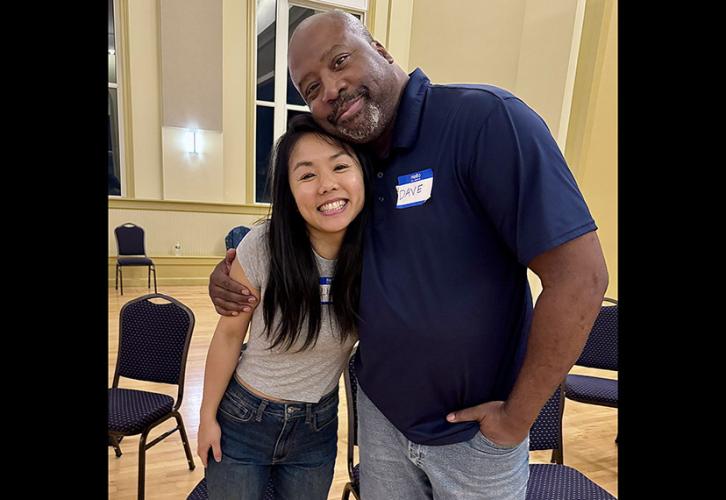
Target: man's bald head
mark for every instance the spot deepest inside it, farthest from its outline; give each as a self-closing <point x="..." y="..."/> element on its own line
<point x="342" y="19"/>
<point x="348" y="79"/>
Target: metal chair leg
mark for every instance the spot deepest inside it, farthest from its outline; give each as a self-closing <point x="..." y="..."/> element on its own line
<point x="154" y="269"/>
<point x="116" y="287"/>
<point x="113" y="441"/>
<point x="148" y="279"/>
<point x="121" y="273"/>
<point x="185" y="440"/>
<point x="142" y="464"/>
<point x="348" y="490"/>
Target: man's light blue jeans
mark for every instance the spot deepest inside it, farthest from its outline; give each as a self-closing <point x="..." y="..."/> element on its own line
<point x="394" y="468"/>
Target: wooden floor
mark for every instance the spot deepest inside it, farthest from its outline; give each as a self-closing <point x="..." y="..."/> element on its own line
<point x="589" y="431"/>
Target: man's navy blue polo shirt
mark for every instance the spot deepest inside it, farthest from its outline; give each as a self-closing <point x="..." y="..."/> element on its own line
<point x="445" y="302"/>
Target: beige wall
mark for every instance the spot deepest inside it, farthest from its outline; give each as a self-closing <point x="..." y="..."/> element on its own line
<point x="183" y="67"/>
<point x="398" y="31"/>
<point x="191" y="63"/>
<point x="234" y="95"/>
<point x="144" y="96"/>
<point x="548" y="59"/>
<point x="593" y="147"/>
<point x="528" y="47"/>
<point x="460" y="41"/>
<point x="188" y="176"/>
<point x="200" y="234"/>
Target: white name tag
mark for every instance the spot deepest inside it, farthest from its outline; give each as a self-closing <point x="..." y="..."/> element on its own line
<point x="325" y="283"/>
<point x="414" y="189"/>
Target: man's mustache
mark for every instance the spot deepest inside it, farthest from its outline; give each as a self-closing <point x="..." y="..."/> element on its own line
<point x="342" y="100"/>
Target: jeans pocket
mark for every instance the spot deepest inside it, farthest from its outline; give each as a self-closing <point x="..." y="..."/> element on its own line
<point x="481" y="441"/>
<point x="232" y="409"/>
<point x="323" y="419"/>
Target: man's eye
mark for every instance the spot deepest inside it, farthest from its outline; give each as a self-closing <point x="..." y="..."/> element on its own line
<point x="340" y="60"/>
<point x="312" y="88"/>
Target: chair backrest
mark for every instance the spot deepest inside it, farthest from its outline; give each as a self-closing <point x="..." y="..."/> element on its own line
<point x="130" y="239"/>
<point x="351" y="394"/>
<point x="546" y="432"/>
<point x="601" y="349"/>
<point x="154" y="340"/>
<point x="235" y="236"/>
<point x="351" y="398"/>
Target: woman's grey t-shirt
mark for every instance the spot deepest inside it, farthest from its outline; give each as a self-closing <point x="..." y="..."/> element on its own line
<point x="289" y="374"/>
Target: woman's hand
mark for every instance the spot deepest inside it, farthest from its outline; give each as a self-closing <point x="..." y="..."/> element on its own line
<point x="209" y="435"/>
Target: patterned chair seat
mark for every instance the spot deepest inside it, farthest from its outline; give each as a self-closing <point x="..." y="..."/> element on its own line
<point x="131" y="411"/>
<point x="560" y="482"/>
<point x="135" y="261"/>
<point x="200" y="491"/>
<point x="593" y="390"/>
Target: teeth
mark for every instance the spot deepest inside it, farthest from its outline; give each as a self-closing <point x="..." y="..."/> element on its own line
<point x="334" y="205"/>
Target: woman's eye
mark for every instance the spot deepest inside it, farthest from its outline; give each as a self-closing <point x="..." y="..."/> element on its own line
<point x="341" y="167"/>
<point x="306" y="177"/>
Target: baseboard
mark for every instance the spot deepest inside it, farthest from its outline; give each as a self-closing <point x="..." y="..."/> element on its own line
<point x="170" y="271"/>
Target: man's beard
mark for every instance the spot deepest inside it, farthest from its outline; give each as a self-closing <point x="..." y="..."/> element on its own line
<point x="364" y="127"/>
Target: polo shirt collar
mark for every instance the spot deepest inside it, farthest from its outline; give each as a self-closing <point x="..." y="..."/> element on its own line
<point x="408" y="117"/>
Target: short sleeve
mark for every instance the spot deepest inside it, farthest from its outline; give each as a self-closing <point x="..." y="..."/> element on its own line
<point x="520" y="177"/>
<point x="253" y="255"/>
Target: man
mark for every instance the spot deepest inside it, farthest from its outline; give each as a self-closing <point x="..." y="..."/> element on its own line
<point x="469" y="190"/>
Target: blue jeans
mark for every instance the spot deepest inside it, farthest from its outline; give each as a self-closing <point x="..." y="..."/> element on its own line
<point x="294" y="444"/>
<point x="394" y="468"/>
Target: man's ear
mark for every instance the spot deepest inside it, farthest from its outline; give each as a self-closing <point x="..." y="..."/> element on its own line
<point x="378" y="47"/>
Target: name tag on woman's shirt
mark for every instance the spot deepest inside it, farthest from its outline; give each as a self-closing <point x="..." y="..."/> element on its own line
<point x="325" y="283"/>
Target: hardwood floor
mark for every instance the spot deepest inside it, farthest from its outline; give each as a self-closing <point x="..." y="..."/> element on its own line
<point x="589" y="431"/>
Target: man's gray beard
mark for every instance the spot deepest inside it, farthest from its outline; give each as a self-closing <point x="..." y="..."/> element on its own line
<point x="365" y="126"/>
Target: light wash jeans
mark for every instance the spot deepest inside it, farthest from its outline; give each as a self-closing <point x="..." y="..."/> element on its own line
<point x="394" y="468"/>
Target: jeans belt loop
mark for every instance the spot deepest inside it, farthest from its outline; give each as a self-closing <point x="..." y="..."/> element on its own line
<point x="308" y="413"/>
<point x="260" y="409"/>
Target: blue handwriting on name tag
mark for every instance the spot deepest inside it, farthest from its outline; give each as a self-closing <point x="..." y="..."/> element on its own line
<point x="414" y="189"/>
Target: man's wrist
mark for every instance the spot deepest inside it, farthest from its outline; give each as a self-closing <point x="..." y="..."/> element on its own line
<point x="517" y="417"/>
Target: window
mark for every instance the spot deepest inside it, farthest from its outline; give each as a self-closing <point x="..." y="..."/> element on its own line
<point x="276" y="100"/>
<point x="113" y="120"/>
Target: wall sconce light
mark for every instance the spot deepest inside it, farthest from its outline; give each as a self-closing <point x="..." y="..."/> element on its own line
<point x="192" y="142"/>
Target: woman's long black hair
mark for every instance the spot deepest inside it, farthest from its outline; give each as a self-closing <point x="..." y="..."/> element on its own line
<point x="293" y="285"/>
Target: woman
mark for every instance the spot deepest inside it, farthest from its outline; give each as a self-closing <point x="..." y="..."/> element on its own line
<point x="273" y="411"/>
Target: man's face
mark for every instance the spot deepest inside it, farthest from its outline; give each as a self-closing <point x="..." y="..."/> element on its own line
<point x="347" y="82"/>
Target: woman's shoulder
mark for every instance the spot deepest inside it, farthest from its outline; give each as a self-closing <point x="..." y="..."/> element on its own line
<point x="256" y="239"/>
<point x="259" y="229"/>
<point x="253" y="254"/>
